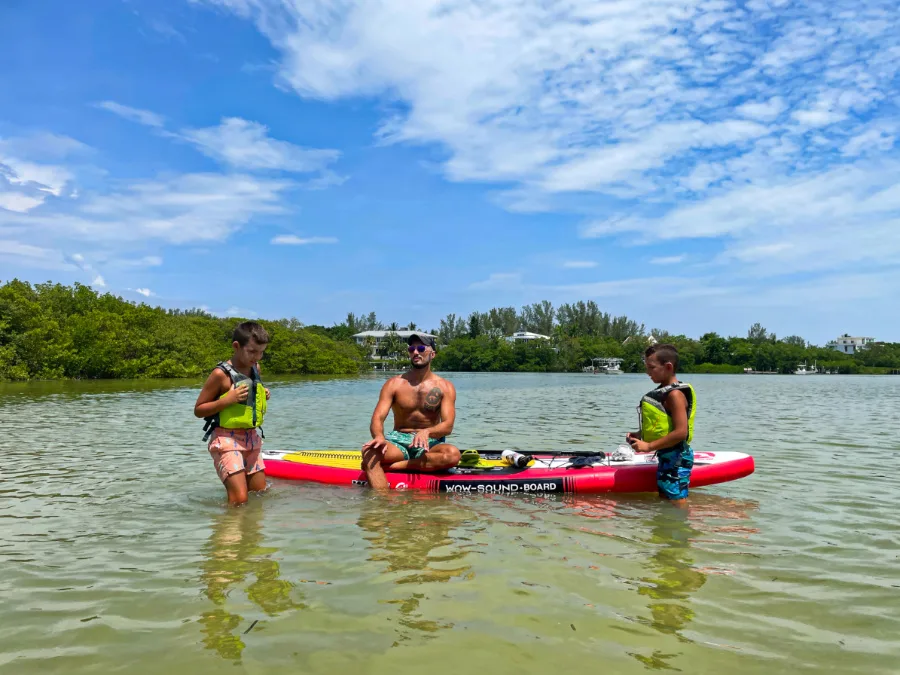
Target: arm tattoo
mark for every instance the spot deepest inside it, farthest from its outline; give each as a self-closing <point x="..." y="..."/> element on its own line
<point x="433" y="399"/>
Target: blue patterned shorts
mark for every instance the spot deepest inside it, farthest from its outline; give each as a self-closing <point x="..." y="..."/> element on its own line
<point x="673" y="475"/>
<point x="404" y="440"/>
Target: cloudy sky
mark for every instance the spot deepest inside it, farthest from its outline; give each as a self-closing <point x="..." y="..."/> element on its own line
<point x="697" y="165"/>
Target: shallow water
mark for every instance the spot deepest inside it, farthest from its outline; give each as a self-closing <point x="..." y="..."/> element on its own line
<point x="119" y="554"/>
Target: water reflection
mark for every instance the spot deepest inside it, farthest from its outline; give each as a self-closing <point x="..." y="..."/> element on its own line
<point x="674" y="576"/>
<point x="404" y="530"/>
<point x="234" y="553"/>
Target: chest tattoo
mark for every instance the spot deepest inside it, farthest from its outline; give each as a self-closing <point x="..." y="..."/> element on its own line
<point x="433" y="399"/>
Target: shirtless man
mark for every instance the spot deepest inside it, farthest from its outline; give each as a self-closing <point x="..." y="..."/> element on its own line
<point x="424" y="408"/>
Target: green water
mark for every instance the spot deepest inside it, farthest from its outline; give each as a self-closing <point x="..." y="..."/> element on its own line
<point x="118" y="553"/>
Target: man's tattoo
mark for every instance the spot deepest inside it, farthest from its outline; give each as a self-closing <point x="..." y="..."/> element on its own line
<point x="433" y="398"/>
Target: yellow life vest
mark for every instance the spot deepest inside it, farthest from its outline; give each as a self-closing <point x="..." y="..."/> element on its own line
<point x="246" y="415"/>
<point x="655" y="421"/>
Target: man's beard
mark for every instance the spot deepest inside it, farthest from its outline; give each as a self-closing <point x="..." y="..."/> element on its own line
<point x="420" y="365"/>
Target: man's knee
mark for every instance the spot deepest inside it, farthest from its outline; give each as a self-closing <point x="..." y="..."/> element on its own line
<point x="449" y="454"/>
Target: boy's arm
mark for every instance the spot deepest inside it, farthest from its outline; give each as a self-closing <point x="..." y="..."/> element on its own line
<point x="676" y="405"/>
<point x="208" y="401"/>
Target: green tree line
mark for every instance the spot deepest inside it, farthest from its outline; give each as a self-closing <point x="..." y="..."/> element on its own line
<point x="51" y="331"/>
<point x="580" y="331"/>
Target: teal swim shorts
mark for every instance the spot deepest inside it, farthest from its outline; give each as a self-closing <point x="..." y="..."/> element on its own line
<point x="403" y="440"/>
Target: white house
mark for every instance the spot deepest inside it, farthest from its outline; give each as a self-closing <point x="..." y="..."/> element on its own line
<point x="525" y="336"/>
<point x="378" y="337"/>
<point x="850" y="345"/>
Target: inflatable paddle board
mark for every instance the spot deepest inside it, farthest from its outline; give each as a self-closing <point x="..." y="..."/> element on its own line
<point x="582" y="472"/>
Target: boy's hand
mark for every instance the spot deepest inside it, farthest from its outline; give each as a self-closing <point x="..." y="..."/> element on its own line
<point x="640" y="446"/>
<point x="421" y="439"/>
<point x="632" y="437"/>
<point x="268" y="394"/>
<point x="238" y="394"/>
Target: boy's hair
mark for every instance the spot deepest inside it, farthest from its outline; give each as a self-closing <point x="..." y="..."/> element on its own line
<point x="664" y="354"/>
<point x="248" y="330"/>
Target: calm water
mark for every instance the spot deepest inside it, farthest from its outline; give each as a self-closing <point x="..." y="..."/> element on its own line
<point x="118" y="553"/>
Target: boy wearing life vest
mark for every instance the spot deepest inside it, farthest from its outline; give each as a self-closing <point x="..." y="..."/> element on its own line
<point x="666" y="416"/>
<point x="233" y="403"/>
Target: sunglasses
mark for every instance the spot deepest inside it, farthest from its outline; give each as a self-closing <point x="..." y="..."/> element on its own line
<point x="416" y="348"/>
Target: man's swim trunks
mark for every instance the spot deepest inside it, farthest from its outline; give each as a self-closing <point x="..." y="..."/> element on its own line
<point x="403" y="440"/>
<point x="673" y="475"/>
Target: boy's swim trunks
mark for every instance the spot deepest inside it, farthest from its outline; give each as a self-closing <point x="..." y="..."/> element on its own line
<point x="673" y="475"/>
<point x="236" y="450"/>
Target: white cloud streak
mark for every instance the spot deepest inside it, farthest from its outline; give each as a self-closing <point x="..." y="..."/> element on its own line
<point x="668" y="260"/>
<point x="590" y="94"/>
<point x="145" y="117"/>
<point x="247" y="146"/>
<point x="294" y="240"/>
<point x="184" y="209"/>
<point x="741" y="122"/>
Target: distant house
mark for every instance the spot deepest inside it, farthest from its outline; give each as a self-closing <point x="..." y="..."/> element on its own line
<point x="848" y="344"/>
<point x="525" y="336"/>
<point x="376" y="338"/>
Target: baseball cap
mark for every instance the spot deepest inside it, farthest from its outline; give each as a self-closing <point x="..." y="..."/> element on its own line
<point x="426" y="340"/>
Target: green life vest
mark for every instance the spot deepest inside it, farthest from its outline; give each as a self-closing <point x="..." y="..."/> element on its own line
<point x="246" y="415"/>
<point x="655" y="421"/>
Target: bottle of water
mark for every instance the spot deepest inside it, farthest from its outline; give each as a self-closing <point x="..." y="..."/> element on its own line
<point x="514" y="458"/>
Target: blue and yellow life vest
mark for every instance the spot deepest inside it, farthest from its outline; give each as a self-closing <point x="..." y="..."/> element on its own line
<point x="246" y="415"/>
<point x="655" y="421"/>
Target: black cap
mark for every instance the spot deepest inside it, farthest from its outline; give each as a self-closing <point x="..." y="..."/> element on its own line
<point x="426" y="340"/>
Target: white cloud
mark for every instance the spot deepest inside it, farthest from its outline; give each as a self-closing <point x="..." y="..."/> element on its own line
<point x="579" y="264"/>
<point x="839" y="218"/>
<point x="247" y="146"/>
<point x="817" y="118"/>
<point x="33" y="256"/>
<point x="668" y="260"/>
<point x="293" y="240"/>
<point x="597" y="168"/>
<point x="145" y="117"/>
<point x="42" y="146"/>
<point x="590" y="95"/>
<point x="146" y="292"/>
<point x="46" y="178"/>
<point x="146" y="261"/>
<point x="763" y="111"/>
<point x="179" y="210"/>
<point x="498" y="281"/>
<point x="18" y="202"/>
<point x="25" y="184"/>
<point x="99" y="282"/>
<point x="877" y="140"/>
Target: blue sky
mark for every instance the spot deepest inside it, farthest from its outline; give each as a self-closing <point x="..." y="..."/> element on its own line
<point x="699" y="166"/>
